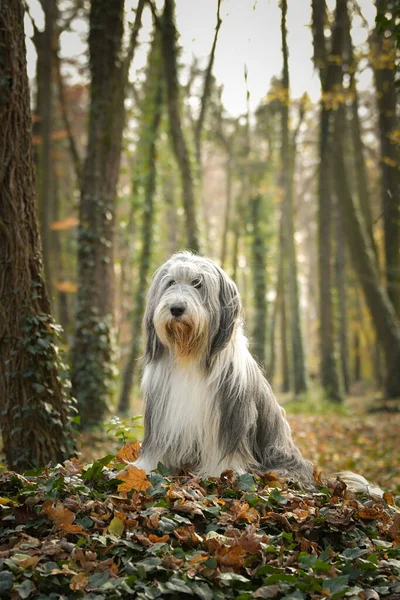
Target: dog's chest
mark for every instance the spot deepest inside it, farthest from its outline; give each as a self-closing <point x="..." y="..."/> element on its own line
<point x="187" y="413"/>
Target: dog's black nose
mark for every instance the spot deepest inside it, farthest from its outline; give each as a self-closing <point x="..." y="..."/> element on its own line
<point x="177" y="309"/>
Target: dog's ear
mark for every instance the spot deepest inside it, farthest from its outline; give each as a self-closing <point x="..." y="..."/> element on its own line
<point x="153" y="347"/>
<point x="229" y="306"/>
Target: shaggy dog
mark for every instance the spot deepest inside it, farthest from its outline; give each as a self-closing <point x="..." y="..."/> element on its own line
<point x="208" y="406"/>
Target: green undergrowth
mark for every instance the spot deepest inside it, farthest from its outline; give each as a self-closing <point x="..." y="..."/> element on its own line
<point x="95" y="532"/>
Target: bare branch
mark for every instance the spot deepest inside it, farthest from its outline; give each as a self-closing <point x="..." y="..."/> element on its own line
<point x="207" y="87"/>
<point x="153" y="9"/>
<point x="36" y="31"/>
<point x="133" y="40"/>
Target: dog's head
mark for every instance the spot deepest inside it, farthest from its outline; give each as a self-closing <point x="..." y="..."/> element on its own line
<point x="192" y="308"/>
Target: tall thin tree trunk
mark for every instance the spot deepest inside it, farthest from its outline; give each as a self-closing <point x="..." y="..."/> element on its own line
<point x="286" y="375"/>
<point x="45" y="42"/>
<point x="151" y="117"/>
<point x="33" y="405"/>
<point x="259" y="251"/>
<point x="340" y="280"/>
<point x="330" y="377"/>
<point x="169" y="35"/>
<point x="287" y="164"/>
<point x="357" y="355"/>
<point x="228" y="209"/>
<point x="62" y="299"/>
<point x="92" y="352"/>
<point x="384" y="67"/>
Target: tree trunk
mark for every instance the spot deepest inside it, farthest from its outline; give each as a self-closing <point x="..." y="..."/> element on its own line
<point x="286" y="378"/>
<point x="330" y="378"/>
<point x="151" y="117"/>
<point x="45" y="44"/>
<point x="384" y="317"/>
<point x="340" y="277"/>
<point x="169" y="35"/>
<point x="384" y="67"/>
<point x="228" y="209"/>
<point x="33" y="404"/>
<point x="357" y="355"/>
<point x="259" y="280"/>
<point x="287" y="165"/>
<point x="92" y="353"/>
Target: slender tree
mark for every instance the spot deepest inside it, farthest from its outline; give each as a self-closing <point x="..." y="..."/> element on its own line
<point x="92" y="352"/>
<point x="384" y="58"/>
<point x="150" y="119"/>
<point x="45" y="42"/>
<point x="180" y="148"/>
<point x="340" y="281"/>
<point x="287" y="165"/>
<point x="33" y="404"/>
<point x="330" y="378"/>
<point x="258" y="251"/>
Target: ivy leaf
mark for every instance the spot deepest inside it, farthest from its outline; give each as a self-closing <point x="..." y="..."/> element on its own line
<point x="6" y="581"/>
<point x="246" y="483"/>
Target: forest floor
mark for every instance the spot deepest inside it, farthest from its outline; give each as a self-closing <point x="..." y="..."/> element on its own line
<point x="363" y="436"/>
<point x="88" y="530"/>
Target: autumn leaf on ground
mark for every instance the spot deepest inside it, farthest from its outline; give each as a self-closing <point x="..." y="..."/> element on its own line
<point x="79" y="582"/>
<point x="134" y="478"/>
<point x="116" y="526"/>
<point x="129" y="453"/>
<point x="58" y="513"/>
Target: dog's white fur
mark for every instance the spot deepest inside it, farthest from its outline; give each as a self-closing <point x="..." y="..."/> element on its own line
<point x="208" y="406"/>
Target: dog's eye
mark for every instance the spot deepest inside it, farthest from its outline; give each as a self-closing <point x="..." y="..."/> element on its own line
<point x="172" y="282"/>
<point x="197" y="283"/>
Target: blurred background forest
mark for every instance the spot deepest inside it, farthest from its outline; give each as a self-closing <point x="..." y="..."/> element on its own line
<point x="140" y="149"/>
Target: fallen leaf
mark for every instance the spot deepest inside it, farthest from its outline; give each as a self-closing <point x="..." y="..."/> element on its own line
<point x="129" y="453"/>
<point x="79" y="582"/>
<point x="134" y="478"/>
<point x="58" y="513"/>
<point x="116" y="527"/>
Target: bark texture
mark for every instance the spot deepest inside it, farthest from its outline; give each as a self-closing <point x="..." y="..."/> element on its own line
<point x="34" y="406"/>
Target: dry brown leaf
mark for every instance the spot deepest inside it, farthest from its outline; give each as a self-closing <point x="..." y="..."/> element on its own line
<point x="230" y="556"/>
<point x="29" y="561"/>
<point x="129" y="453"/>
<point x="369" y="513"/>
<point x="79" y="582"/>
<point x="58" y="513"/>
<point x="155" y="539"/>
<point x="69" y="528"/>
<point x="134" y="478"/>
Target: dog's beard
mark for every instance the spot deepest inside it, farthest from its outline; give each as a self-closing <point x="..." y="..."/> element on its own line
<point x="185" y="338"/>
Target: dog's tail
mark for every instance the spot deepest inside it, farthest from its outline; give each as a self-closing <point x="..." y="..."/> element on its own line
<point x="358" y="483"/>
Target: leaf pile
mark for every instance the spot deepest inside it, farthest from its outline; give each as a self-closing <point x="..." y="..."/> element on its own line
<point x="105" y="530"/>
